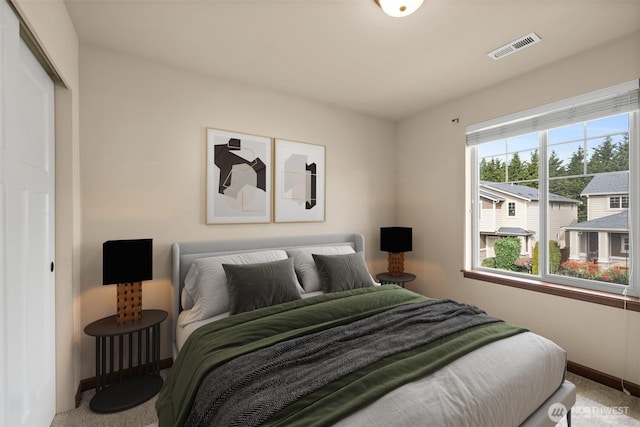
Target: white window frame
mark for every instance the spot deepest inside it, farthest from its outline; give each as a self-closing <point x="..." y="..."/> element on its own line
<point x="614" y="202"/>
<point x="590" y="106"/>
<point x="620" y="202"/>
<point x="509" y="209"/>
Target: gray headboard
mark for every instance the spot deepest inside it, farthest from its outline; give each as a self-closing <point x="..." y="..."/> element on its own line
<point x="183" y="255"/>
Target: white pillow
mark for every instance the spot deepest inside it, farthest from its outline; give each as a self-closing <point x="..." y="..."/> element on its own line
<point x="186" y="302"/>
<point x="206" y="282"/>
<point x="305" y="266"/>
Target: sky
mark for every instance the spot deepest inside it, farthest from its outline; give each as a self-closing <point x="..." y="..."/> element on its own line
<point x="563" y="140"/>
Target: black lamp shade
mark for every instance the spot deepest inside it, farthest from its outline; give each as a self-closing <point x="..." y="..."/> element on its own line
<point x="127" y="261"/>
<point x="396" y="239"/>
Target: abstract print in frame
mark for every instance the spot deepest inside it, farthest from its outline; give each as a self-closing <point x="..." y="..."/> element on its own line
<point x="238" y="177"/>
<point x="299" y="181"/>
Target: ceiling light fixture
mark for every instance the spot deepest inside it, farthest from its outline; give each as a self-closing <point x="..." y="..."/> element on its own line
<point x="399" y="8"/>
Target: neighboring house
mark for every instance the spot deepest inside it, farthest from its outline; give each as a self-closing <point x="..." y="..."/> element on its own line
<point x="604" y="237"/>
<point x="512" y="210"/>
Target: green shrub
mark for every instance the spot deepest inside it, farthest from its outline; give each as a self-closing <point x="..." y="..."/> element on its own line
<point x="616" y="274"/>
<point x="489" y="262"/>
<point x="507" y="252"/>
<point x="582" y="269"/>
<point x="592" y="271"/>
<point x="554" y="258"/>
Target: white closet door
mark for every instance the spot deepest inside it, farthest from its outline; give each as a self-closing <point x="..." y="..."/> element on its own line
<point x="27" y="293"/>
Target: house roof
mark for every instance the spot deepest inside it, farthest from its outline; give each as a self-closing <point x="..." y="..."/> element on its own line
<point x="607" y="183"/>
<point x="490" y="196"/>
<point x="509" y="231"/>
<point x="522" y="192"/>
<point x="616" y="222"/>
<point x="514" y="231"/>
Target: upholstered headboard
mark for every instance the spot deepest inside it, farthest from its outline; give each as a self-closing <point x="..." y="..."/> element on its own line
<point x="183" y="255"/>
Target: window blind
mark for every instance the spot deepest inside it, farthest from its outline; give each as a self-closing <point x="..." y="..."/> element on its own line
<point x="617" y="99"/>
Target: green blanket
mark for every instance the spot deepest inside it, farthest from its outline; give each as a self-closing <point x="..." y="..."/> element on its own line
<point x="214" y="344"/>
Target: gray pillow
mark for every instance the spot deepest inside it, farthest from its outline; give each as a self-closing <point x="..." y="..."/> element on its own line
<point x="305" y="267"/>
<point x="253" y="286"/>
<point x="342" y="272"/>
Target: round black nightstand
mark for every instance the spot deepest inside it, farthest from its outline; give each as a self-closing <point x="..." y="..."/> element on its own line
<point x="124" y="385"/>
<point x="386" y="278"/>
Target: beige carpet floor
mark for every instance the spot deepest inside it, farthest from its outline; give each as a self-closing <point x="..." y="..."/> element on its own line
<point x="601" y="406"/>
<point x="596" y="406"/>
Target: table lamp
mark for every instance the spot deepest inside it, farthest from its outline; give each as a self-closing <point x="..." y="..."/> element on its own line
<point x="127" y="263"/>
<point x="395" y="241"/>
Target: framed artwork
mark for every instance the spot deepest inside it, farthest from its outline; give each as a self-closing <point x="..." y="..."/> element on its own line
<point x="299" y="182"/>
<point x="238" y="177"/>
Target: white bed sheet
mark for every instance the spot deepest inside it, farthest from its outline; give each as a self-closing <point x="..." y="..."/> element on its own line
<point x="482" y="388"/>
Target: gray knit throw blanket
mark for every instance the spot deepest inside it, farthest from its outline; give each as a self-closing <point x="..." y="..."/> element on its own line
<point x="249" y="389"/>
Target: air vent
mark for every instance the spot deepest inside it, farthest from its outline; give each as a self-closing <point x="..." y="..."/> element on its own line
<point x="514" y="46"/>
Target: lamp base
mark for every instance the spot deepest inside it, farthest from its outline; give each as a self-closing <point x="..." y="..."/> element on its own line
<point x="129" y="302"/>
<point x="396" y="263"/>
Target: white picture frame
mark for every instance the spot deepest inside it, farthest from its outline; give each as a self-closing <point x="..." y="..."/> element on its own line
<point x="299" y="181"/>
<point x="239" y="177"/>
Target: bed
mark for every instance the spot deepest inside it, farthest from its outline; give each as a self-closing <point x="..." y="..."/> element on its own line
<point x="295" y="331"/>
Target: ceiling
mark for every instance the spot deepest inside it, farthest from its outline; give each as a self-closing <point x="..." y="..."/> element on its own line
<point x="348" y="53"/>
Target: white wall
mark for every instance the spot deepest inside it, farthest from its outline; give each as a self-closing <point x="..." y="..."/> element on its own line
<point x="598" y="207"/>
<point x="432" y="171"/>
<point x="142" y="141"/>
<point x="143" y="167"/>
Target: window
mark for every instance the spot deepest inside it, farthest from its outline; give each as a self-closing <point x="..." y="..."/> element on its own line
<point x="571" y="165"/>
<point x="619" y="202"/>
<point x="624" y="245"/>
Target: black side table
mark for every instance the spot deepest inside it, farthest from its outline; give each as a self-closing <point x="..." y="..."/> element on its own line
<point x="120" y="387"/>
<point x="386" y="278"/>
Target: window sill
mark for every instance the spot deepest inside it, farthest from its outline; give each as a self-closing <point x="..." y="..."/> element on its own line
<point x="596" y="297"/>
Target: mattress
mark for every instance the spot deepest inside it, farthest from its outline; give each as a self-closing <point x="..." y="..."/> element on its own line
<point x="474" y="390"/>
